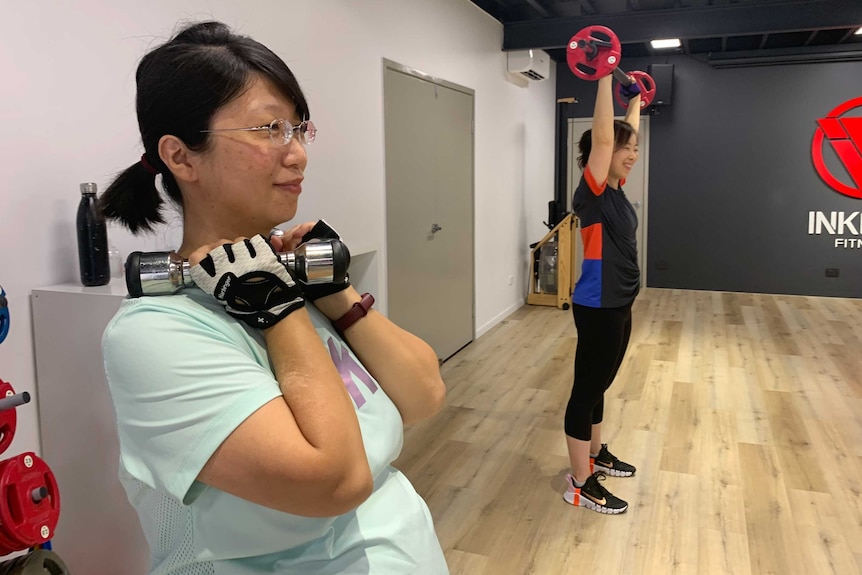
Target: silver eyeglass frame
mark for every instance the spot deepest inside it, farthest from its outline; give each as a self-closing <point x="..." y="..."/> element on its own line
<point x="306" y="129"/>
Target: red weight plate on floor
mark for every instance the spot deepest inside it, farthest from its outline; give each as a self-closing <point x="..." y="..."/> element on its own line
<point x="8" y="418"/>
<point x="24" y="519"/>
<point x="7" y="544"/>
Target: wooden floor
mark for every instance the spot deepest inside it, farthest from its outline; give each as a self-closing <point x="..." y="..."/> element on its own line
<point x="743" y="414"/>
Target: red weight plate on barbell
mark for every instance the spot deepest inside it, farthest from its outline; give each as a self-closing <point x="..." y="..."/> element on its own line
<point x="589" y="65"/>
<point x="644" y="82"/>
<point x="24" y="519"/>
<point x="8" y="418"/>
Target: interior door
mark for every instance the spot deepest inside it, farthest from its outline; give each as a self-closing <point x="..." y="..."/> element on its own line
<point x="635" y="188"/>
<point x="429" y="208"/>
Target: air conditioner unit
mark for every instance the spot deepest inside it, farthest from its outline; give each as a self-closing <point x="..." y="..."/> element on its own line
<point x="534" y="65"/>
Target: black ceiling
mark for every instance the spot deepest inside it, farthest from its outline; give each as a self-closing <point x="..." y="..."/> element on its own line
<point x="731" y="32"/>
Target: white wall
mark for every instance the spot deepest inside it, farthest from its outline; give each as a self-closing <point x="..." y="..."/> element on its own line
<point x="67" y="116"/>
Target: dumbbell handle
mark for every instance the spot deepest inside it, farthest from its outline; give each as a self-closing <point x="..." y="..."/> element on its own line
<point x="622" y="77"/>
<point x="13" y="401"/>
<point x="591" y="46"/>
<point x="163" y="273"/>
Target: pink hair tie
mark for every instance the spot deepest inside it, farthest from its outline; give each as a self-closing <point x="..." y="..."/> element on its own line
<point x="148" y="166"/>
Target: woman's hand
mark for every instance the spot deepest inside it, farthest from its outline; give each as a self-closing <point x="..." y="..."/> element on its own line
<point x="291" y="239"/>
<point x="307" y="232"/>
<point x="247" y="278"/>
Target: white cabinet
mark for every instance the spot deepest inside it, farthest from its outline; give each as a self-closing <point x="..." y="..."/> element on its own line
<point x="98" y="532"/>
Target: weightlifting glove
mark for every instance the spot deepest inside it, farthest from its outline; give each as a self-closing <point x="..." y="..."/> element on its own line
<point x="250" y="282"/>
<point x="629" y="92"/>
<point x="322" y="231"/>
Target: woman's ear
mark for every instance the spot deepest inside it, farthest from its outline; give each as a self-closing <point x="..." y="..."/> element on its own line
<point x="178" y="158"/>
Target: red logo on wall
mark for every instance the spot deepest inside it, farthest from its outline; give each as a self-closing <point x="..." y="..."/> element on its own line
<point x="845" y="136"/>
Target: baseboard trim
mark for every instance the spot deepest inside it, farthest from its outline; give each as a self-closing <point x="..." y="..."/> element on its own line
<point x="498" y="318"/>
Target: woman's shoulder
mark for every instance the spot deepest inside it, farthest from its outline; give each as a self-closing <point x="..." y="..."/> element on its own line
<point x="165" y="316"/>
<point x="583" y="187"/>
<point x="191" y="303"/>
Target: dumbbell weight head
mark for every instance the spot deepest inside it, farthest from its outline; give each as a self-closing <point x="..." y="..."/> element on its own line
<point x="644" y="82"/>
<point x="593" y="52"/>
<point x="23" y="517"/>
<point x="8" y="418"/>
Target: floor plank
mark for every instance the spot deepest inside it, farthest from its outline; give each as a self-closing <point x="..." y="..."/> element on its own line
<point x="743" y="413"/>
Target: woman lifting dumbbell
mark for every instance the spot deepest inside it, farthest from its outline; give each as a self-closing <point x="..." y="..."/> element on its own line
<point x="258" y="416"/>
<point x="610" y="278"/>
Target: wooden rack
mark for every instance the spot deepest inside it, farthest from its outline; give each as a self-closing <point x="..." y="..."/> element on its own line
<point x="566" y="237"/>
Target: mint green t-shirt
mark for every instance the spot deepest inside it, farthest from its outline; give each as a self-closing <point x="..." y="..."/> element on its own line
<point x="183" y="375"/>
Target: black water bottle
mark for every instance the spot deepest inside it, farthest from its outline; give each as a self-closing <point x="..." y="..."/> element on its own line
<point x="92" y="239"/>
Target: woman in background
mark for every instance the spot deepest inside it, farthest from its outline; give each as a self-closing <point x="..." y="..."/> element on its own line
<point x="603" y="296"/>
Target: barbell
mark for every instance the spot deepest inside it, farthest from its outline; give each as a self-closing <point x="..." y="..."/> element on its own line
<point x="594" y="52"/>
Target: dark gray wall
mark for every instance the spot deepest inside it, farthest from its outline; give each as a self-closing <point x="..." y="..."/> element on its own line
<point x="731" y="180"/>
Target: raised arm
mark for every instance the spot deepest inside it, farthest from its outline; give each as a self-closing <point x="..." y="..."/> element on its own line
<point x="633" y="114"/>
<point x="602" y="150"/>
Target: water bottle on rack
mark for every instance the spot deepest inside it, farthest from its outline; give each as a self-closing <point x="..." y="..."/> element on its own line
<point x="92" y="239"/>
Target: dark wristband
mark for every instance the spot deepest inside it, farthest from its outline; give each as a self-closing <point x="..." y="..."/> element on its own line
<point x="355" y="313"/>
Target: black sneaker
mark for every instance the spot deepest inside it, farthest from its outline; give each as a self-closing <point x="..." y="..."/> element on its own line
<point x="594" y="496"/>
<point x="607" y="463"/>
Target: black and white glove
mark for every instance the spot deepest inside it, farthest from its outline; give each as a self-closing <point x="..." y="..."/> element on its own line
<point x="248" y="279"/>
<point x="322" y="231"/>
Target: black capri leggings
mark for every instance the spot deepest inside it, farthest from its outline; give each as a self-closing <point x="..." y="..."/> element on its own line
<point x="603" y="336"/>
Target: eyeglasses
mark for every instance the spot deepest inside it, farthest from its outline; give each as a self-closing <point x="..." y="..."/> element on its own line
<point x="280" y="131"/>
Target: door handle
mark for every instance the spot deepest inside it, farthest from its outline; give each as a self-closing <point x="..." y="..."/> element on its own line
<point x="637" y="204"/>
<point x="435" y="228"/>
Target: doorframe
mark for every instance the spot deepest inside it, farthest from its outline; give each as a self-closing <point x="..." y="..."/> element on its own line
<point x="573" y="169"/>
<point x="393" y="66"/>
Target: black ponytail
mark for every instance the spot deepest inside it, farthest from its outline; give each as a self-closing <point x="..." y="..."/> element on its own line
<point x="584" y="147"/>
<point x="133" y="200"/>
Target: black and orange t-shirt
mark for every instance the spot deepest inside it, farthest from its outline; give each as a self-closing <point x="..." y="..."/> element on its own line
<point x="610" y="276"/>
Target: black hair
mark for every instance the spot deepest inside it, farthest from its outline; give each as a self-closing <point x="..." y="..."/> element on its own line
<point x="181" y="85"/>
<point x="623" y="132"/>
